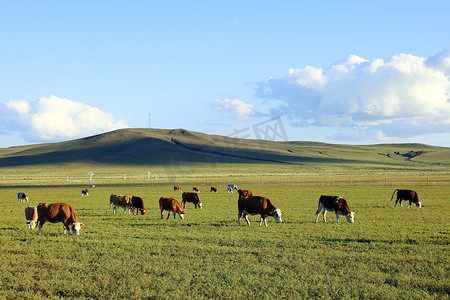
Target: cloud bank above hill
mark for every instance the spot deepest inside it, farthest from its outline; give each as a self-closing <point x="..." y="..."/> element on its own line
<point x="53" y="119"/>
<point x="383" y="99"/>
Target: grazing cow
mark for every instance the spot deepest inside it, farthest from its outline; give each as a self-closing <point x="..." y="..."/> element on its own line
<point x="255" y="205"/>
<point x="177" y="188"/>
<point x="22" y="197"/>
<point x="407" y="195"/>
<point x="122" y="201"/>
<point x="58" y="212"/>
<point x="195" y="189"/>
<point x="245" y="193"/>
<point x="84" y="192"/>
<point x="32" y="216"/>
<point x="213" y="189"/>
<point x="171" y="205"/>
<point x="231" y="187"/>
<point x="338" y="205"/>
<point x="191" y="197"/>
<point x="138" y="204"/>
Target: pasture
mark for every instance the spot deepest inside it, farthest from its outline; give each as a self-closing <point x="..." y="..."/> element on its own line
<point x="387" y="253"/>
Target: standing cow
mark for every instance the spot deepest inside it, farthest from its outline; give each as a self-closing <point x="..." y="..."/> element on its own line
<point x="338" y="205"/>
<point x="137" y="203"/>
<point x="22" y="197"/>
<point x="84" y="193"/>
<point x="171" y="205"/>
<point x="231" y="187"/>
<point x="407" y="195"/>
<point x="213" y="189"/>
<point x="122" y="201"/>
<point x="177" y="188"/>
<point x="58" y="212"/>
<point x="255" y="205"/>
<point x="32" y="216"/>
<point x="191" y="197"/>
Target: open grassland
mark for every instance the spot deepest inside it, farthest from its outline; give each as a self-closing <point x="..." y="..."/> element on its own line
<point x="387" y="253"/>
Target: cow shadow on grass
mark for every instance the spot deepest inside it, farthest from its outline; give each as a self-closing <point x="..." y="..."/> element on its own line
<point x="366" y="241"/>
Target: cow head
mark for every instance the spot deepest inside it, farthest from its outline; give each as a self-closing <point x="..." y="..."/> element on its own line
<point x="76" y="227"/>
<point x="182" y="215"/>
<point x="277" y="215"/>
<point x="31" y="224"/>
<point x="143" y="211"/>
<point x="350" y="217"/>
<point x="200" y="205"/>
<point x="419" y="204"/>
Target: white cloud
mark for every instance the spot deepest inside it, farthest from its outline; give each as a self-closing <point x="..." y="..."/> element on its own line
<point x="403" y="95"/>
<point x="236" y="108"/>
<point x="53" y="118"/>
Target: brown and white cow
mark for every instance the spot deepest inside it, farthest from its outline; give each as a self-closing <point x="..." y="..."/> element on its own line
<point x="84" y="192"/>
<point x="195" y="189"/>
<point x="407" y="195"/>
<point x="213" y="189"/>
<point x="32" y="216"/>
<point x="191" y="197"/>
<point x="138" y="204"/>
<point x="255" y="205"/>
<point x="245" y="193"/>
<point x="122" y="201"/>
<point x="22" y="197"/>
<point x="171" y="205"/>
<point x="338" y="205"/>
<point x="177" y="188"/>
<point x="58" y="212"/>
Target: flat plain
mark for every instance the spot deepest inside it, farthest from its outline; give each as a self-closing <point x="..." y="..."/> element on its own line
<point x="387" y="253"/>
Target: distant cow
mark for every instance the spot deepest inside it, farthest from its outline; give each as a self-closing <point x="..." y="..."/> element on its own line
<point x="191" y="197"/>
<point x="138" y="204"/>
<point x="58" y="212"/>
<point x="407" y="195"/>
<point x="32" y="216"/>
<point x="231" y="187"/>
<point x="84" y="192"/>
<point x="213" y="189"/>
<point x="245" y="193"/>
<point x="171" y="205"/>
<point x="255" y="205"/>
<point x="177" y="188"/>
<point x="195" y="189"/>
<point x="22" y="197"/>
<point x="338" y="205"/>
<point x="122" y="201"/>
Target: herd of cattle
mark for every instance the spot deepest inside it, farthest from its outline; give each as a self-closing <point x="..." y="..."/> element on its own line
<point x="247" y="205"/>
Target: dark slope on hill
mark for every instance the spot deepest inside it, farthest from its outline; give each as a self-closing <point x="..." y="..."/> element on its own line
<point x="159" y="147"/>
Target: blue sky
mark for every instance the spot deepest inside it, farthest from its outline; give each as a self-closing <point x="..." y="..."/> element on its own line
<point x="351" y="72"/>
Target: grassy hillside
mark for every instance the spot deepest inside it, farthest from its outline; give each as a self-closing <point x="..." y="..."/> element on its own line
<point x="156" y="147"/>
<point x="175" y="154"/>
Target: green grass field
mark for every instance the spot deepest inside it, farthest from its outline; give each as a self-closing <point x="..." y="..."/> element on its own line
<point x="387" y="253"/>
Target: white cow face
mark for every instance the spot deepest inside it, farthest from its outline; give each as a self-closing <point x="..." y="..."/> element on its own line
<point x="277" y="215"/>
<point x="76" y="228"/>
<point x="351" y="217"/>
<point x="31" y="225"/>
<point x="182" y="216"/>
<point x="200" y="205"/>
<point x="419" y="205"/>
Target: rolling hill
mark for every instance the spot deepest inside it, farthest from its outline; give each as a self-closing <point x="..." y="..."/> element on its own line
<point x="159" y="147"/>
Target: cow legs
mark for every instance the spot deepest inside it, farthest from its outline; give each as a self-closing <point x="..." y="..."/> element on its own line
<point x="324" y="215"/>
<point x="261" y="221"/>
<point x="337" y="217"/>
<point x="168" y="215"/>
<point x="41" y="224"/>
<point x="246" y="219"/>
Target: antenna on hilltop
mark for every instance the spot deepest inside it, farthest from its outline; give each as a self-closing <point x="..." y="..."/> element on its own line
<point x="149" y="120"/>
<point x="90" y="176"/>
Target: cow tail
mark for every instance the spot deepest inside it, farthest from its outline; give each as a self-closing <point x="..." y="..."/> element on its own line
<point x="393" y="194"/>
